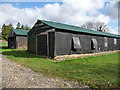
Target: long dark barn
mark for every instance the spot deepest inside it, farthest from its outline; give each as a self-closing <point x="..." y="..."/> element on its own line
<point x="53" y="39"/>
<point x="17" y="39"/>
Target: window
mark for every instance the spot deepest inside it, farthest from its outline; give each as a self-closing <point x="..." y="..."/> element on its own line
<point x="115" y="41"/>
<point x="94" y="44"/>
<point x="76" y="43"/>
<point x="106" y="41"/>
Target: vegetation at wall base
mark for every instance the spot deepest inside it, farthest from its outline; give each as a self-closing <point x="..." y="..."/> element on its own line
<point x="96" y="72"/>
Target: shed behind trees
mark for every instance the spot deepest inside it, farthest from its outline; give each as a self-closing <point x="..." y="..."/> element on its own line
<point x="18" y="39"/>
<point x="53" y="39"/>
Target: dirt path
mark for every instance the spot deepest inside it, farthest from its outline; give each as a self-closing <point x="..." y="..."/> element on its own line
<point x="17" y="76"/>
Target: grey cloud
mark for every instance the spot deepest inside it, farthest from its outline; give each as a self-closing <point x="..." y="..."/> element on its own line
<point x="112" y="10"/>
<point x="72" y="12"/>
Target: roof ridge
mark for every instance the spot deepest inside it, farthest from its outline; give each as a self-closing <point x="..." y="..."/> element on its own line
<point x="20" y="29"/>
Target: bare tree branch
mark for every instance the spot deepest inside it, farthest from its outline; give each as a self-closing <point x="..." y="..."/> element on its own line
<point x="98" y="26"/>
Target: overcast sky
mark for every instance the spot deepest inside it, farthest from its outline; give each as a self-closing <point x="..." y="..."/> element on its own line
<point x="74" y="12"/>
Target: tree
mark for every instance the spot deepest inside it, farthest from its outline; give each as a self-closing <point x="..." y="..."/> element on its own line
<point x="22" y="27"/>
<point x="6" y="30"/>
<point x="18" y="25"/>
<point x="27" y="28"/>
<point x="98" y="26"/>
<point x="88" y="25"/>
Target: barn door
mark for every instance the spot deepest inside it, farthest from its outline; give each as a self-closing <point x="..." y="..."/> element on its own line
<point x="11" y="42"/>
<point x="42" y="45"/>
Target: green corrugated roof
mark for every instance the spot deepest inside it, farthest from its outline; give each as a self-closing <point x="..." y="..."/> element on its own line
<point x="20" y="32"/>
<point x="76" y="28"/>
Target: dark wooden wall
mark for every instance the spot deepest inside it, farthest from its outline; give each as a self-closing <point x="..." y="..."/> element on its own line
<point x="35" y="43"/>
<point x="63" y="44"/>
<point x="32" y="44"/>
<point x="38" y="29"/>
<point x="118" y="43"/>
<point x="51" y="44"/>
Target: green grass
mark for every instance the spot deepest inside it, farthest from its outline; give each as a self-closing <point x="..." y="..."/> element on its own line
<point x="97" y="72"/>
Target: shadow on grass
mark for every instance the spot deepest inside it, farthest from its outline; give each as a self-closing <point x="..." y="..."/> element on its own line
<point x="19" y="53"/>
<point x="4" y="47"/>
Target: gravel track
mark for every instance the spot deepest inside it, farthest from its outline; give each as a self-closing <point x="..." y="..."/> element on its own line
<point x="0" y="71"/>
<point x="17" y="76"/>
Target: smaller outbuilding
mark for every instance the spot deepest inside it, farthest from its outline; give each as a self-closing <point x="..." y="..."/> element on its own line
<point x="17" y="39"/>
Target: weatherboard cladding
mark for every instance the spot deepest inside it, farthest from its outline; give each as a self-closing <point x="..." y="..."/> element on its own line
<point x="76" y="28"/>
<point x="20" y="32"/>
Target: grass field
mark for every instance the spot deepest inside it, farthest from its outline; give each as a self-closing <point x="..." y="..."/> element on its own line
<point x="96" y="72"/>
